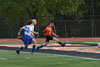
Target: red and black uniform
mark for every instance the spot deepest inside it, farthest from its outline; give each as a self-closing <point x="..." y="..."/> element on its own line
<point x="48" y="32"/>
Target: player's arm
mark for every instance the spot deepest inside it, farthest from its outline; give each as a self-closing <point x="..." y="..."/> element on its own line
<point x="55" y="34"/>
<point x="20" y="30"/>
<point x="34" y="32"/>
<point x="45" y="30"/>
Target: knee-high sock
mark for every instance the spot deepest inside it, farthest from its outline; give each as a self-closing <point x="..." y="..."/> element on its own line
<point x="33" y="48"/>
<point x="42" y="46"/>
<point x="60" y="43"/>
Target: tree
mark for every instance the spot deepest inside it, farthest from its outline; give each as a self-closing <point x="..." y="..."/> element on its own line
<point x="16" y="12"/>
<point x="37" y="8"/>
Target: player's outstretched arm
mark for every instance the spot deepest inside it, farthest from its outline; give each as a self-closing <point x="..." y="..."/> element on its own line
<point x="20" y="31"/>
<point x="34" y="32"/>
<point x="55" y="34"/>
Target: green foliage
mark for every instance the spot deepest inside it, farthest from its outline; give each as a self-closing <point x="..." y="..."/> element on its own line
<point x="37" y="8"/>
<point x="15" y="13"/>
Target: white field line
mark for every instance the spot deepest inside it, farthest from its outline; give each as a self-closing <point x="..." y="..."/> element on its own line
<point x="3" y="58"/>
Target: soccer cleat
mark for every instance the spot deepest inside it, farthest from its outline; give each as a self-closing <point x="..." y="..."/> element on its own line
<point x="17" y="51"/>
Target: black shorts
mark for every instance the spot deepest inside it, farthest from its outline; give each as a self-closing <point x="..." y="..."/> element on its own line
<point x="48" y="38"/>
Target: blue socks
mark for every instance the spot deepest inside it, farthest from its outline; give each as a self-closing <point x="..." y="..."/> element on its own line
<point x="33" y="48"/>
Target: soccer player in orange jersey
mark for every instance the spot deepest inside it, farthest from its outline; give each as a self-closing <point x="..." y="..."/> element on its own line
<point x="48" y="32"/>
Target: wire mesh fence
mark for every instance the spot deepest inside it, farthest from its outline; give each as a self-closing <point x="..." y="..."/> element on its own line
<point x="64" y="28"/>
<point x="78" y="28"/>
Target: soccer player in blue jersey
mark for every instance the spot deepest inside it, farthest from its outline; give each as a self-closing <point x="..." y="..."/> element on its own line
<point x="29" y="37"/>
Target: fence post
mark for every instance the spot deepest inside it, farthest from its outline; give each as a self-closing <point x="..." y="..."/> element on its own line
<point x="92" y="5"/>
<point x="92" y="28"/>
<point x="38" y="29"/>
<point x="65" y="29"/>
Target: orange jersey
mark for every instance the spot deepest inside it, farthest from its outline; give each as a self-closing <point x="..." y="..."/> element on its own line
<point x="48" y="31"/>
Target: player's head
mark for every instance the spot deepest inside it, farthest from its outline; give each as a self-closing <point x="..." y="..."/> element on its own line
<point x="32" y="21"/>
<point x="49" y="24"/>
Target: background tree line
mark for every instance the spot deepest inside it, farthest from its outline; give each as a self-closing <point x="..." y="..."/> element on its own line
<point x="15" y="13"/>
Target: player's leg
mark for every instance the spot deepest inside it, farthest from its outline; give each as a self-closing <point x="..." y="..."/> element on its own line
<point x="45" y="44"/>
<point x="21" y="38"/>
<point x="34" y="45"/>
<point x="62" y="44"/>
<point x="20" y="49"/>
<point x="26" y="47"/>
<point x="26" y="43"/>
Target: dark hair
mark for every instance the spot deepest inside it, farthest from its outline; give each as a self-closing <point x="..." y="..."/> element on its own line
<point x="29" y="22"/>
<point x="49" y="23"/>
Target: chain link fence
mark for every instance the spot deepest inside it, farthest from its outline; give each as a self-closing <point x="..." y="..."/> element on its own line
<point x="78" y="28"/>
<point x="64" y="28"/>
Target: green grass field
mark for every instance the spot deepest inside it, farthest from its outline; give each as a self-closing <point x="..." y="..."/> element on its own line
<point x="11" y="59"/>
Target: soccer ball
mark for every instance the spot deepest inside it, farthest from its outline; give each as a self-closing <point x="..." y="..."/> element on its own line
<point x="99" y="45"/>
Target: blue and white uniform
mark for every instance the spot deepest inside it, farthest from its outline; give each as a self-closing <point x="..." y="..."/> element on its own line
<point x="28" y="34"/>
